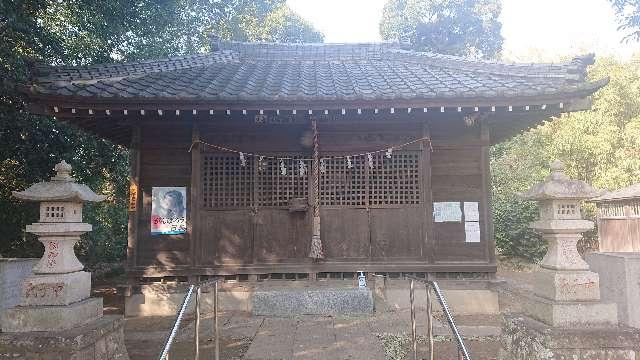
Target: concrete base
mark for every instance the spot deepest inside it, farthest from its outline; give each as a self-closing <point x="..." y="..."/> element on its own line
<point x="473" y="297"/>
<point x="56" y="289"/>
<point x="340" y="301"/>
<point x="526" y="339"/>
<point x="566" y="285"/>
<point x="620" y="284"/>
<point x="51" y="318"/>
<point x="102" y="339"/>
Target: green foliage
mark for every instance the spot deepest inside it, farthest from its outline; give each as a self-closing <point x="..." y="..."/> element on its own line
<point x="275" y="24"/>
<point x="601" y="147"/>
<point x="454" y="27"/>
<point x="628" y="12"/>
<point x="79" y="32"/>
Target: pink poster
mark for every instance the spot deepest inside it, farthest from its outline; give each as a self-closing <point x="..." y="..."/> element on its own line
<point x="168" y="210"/>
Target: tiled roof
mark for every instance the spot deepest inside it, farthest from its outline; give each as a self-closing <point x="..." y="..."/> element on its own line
<point x="630" y="192"/>
<point x="240" y="72"/>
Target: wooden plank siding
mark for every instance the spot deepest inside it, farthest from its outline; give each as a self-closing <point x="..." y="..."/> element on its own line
<point x="369" y="231"/>
<point x="619" y="235"/>
<point x="164" y="161"/>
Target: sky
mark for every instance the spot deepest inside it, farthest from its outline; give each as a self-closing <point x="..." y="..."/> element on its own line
<point x="540" y="30"/>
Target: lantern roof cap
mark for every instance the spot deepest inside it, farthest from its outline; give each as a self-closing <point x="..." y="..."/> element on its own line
<point x="61" y="187"/>
<point x="557" y="185"/>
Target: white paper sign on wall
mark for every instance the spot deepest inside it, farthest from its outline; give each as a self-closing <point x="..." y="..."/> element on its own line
<point x="471" y="231"/>
<point x="471" y="212"/>
<point x="448" y="211"/>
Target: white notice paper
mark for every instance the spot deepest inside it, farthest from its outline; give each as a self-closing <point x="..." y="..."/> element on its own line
<point x="447" y="211"/>
<point x="472" y="231"/>
<point x="471" y="211"/>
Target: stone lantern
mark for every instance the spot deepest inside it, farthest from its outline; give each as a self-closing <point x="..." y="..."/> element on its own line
<point x="57" y="295"/>
<point x="566" y="292"/>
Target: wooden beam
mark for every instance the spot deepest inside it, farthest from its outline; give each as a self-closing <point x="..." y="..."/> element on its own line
<point x="134" y="185"/>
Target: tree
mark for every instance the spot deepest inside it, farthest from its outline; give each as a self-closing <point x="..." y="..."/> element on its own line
<point x="600" y="146"/>
<point x="78" y="32"/>
<point x="628" y="12"/>
<point x="279" y="24"/>
<point x="122" y="30"/>
<point x="454" y="27"/>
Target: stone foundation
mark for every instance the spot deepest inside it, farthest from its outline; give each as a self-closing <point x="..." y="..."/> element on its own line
<point x="463" y="297"/>
<point x="165" y="299"/>
<point x="12" y="273"/>
<point x="526" y="339"/>
<point x="102" y="339"/>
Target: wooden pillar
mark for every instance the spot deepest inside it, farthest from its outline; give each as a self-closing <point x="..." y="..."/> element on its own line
<point x="427" y="195"/>
<point x="316" y="251"/>
<point x="487" y="231"/>
<point x="194" y="197"/>
<point x="135" y="203"/>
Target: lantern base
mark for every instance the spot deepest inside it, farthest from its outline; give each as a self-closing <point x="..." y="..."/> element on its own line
<point x="51" y="318"/>
<point x="567" y="285"/>
<point x="56" y="289"/>
<point x="570" y="314"/>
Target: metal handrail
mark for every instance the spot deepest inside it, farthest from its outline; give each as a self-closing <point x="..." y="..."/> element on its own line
<point x="463" y="353"/>
<point x="164" y="355"/>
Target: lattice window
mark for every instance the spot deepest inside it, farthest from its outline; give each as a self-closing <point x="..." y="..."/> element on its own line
<point x="566" y="209"/>
<point x="341" y="185"/>
<point x="54" y="213"/>
<point x="612" y="210"/>
<point x="226" y="183"/>
<point x="276" y="189"/>
<point x="395" y="180"/>
<point x="392" y="181"/>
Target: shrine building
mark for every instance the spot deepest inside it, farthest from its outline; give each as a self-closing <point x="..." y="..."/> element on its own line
<point x="298" y="159"/>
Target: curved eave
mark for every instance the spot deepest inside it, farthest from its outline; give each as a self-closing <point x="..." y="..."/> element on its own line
<point x="313" y="103"/>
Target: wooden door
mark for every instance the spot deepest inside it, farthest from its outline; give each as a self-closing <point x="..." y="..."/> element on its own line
<point x="248" y="216"/>
<point x="282" y="216"/>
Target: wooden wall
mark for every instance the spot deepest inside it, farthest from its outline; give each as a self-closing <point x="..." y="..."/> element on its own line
<point x="163" y="161"/>
<point x="619" y="226"/>
<point x="364" y="235"/>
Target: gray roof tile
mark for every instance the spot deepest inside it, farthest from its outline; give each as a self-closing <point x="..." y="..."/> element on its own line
<point x="306" y="72"/>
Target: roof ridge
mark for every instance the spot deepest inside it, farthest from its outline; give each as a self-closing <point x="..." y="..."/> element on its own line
<point x="575" y="70"/>
<point x="308" y="51"/>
